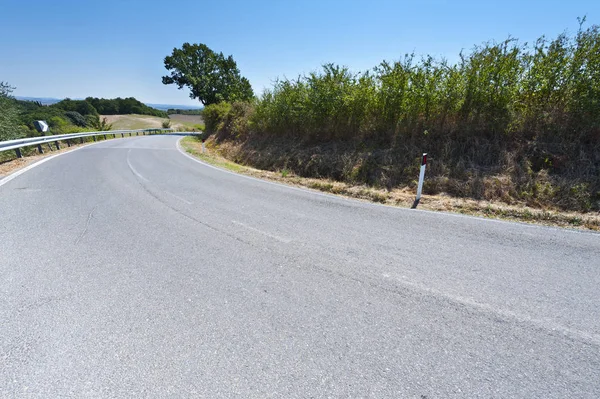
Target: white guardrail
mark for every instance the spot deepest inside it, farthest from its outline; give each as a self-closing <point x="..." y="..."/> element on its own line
<point x="17" y="144"/>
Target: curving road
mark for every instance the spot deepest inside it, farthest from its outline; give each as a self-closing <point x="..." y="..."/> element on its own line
<point x="130" y="270"/>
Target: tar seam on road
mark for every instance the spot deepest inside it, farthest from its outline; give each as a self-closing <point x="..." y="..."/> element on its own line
<point x="193" y="218"/>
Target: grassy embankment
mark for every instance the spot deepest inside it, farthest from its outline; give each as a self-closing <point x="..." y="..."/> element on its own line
<point x="512" y="130"/>
<point x="401" y="196"/>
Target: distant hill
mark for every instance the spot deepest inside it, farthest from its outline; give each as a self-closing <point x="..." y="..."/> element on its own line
<point x="166" y="107"/>
<point x="162" y="107"/>
<point x="42" y="100"/>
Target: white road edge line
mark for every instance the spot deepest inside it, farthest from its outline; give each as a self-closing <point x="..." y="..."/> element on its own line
<point x="41" y="161"/>
<point x="303" y="190"/>
<point x="355" y="201"/>
<point x="277" y="238"/>
<point x="135" y="172"/>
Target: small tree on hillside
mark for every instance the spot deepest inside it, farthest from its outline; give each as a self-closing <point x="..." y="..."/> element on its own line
<point x="9" y="113"/>
<point x="211" y="77"/>
<point x="100" y="125"/>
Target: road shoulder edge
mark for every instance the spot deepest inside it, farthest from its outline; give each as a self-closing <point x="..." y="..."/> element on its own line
<point x="387" y="206"/>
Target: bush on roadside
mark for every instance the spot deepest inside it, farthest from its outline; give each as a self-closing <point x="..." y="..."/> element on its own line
<point x="216" y="116"/>
<point x="527" y="116"/>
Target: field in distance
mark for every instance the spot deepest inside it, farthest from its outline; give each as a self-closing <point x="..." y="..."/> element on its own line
<point x="134" y="121"/>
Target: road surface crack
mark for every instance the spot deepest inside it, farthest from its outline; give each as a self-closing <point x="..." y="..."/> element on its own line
<point x="209" y="226"/>
<point x="87" y="225"/>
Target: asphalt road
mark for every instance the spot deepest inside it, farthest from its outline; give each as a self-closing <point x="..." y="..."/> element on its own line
<point x="130" y="270"/>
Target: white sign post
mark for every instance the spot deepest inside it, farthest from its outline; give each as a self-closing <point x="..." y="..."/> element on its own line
<point x="421" y="179"/>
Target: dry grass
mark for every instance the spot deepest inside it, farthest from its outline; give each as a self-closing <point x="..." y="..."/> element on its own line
<point x="134" y="121"/>
<point x="187" y="119"/>
<point x="404" y="197"/>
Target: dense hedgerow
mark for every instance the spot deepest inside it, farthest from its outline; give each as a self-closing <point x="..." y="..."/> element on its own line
<point x="522" y="109"/>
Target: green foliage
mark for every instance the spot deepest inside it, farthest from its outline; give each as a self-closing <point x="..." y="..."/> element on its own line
<point x="503" y="108"/>
<point x="166" y="124"/>
<point x="215" y="116"/>
<point x="228" y="120"/>
<point x="97" y="124"/>
<point x="123" y="106"/>
<point x="67" y="116"/>
<point x="57" y="123"/>
<point x="82" y="107"/>
<point x="43" y="113"/>
<point x="76" y="118"/>
<point x="172" y="111"/>
<point x="9" y="114"/>
<point x="91" y="120"/>
<point x="211" y="77"/>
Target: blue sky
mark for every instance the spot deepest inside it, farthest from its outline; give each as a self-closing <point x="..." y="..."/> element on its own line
<point x="110" y="48"/>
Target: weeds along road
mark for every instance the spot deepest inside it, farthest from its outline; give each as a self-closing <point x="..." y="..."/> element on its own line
<point x="131" y="270"/>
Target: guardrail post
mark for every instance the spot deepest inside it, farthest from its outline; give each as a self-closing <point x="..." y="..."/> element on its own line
<point x="68" y="143"/>
<point x="122" y="135"/>
<point x="105" y="137"/>
<point x="94" y="137"/>
<point x="81" y="140"/>
<point x="57" y="144"/>
<point x="40" y="149"/>
<point x="18" y="151"/>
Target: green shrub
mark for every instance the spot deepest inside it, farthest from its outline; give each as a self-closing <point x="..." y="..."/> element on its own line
<point x="215" y="116"/>
<point x="76" y="118"/>
<point x="57" y="122"/>
<point x="81" y="106"/>
<point x="503" y="108"/>
<point x="99" y="125"/>
<point x="122" y="106"/>
<point x="92" y="120"/>
<point x="9" y="114"/>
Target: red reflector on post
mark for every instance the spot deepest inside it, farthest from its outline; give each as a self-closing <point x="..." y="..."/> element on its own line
<point x="424" y="160"/>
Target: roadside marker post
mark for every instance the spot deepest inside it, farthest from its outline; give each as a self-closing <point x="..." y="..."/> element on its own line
<point x="203" y="140"/>
<point x="43" y="128"/>
<point x="421" y="179"/>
